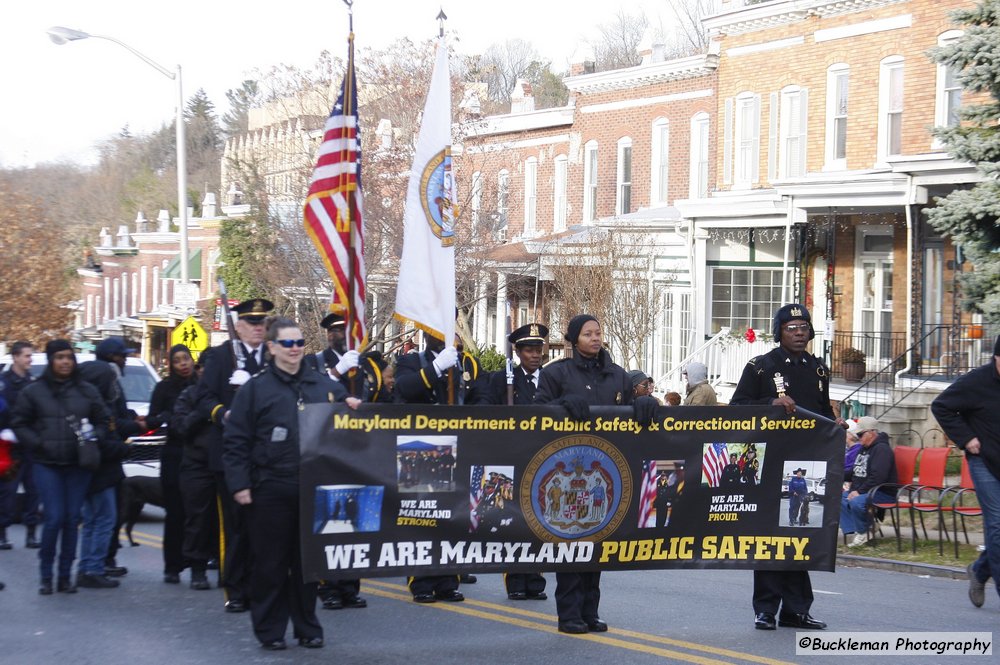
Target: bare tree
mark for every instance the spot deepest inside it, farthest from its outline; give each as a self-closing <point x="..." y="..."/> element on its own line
<point x="503" y="63"/>
<point x="618" y="44"/>
<point x="607" y="275"/>
<point x="690" y="36"/>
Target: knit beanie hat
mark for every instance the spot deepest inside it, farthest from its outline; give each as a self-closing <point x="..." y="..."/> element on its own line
<point x="576" y="325"/>
<point x="55" y="346"/>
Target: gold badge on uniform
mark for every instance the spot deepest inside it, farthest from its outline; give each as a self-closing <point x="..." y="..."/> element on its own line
<point x="794" y="312"/>
<point x="779" y="384"/>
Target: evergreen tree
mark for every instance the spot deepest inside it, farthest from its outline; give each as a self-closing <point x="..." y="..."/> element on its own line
<point x="236" y="121"/>
<point x="970" y="216"/>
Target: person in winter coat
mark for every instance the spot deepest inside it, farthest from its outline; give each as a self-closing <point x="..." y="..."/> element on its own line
<point x="260" y="456"/>
<point x="48" y="420"/>
<point x="699" y="391"/>
<point x="875" y="465"/>
<point x="161" y="406"/>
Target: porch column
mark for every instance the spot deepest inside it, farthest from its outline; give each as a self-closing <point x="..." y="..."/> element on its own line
<point x="482" y="307"/>
<point x="501" y="310"/>
<point x="155" y="287"/>
<point x="144" y="289"/>
<point x="107" y="298"/>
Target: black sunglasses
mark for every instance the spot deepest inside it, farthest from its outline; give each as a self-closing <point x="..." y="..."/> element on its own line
<point x="289" y="343"/>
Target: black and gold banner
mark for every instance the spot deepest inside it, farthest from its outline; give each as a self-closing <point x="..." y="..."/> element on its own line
<point x="403" y="490"/>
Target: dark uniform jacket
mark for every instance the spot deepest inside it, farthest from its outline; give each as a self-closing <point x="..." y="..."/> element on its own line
<point x="807" y="381"/>
<point x="368" y="385"/>
<point x="262" y="434"/>
<point x="215" y="395"/>
<point x="524" y="391"/>
<point x="40" y="419"/>
<point x="106" y="378"/>
<point x="968" y="409"/>
<point x="417" y="381"/>
<point x="599" y="381"/>
<point x="194" y="431"/>
<point x="162" y="404"/>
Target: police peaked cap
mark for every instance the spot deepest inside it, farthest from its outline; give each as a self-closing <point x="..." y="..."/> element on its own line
<point x="254" y="310"/>
<point x="531" y="334"/>
<point x="788" y="313"/>
<point x="332" y="320"/>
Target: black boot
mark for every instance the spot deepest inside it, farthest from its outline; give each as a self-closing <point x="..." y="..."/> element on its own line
<point x="30" y="541"/>
<point x="4" y="543"/>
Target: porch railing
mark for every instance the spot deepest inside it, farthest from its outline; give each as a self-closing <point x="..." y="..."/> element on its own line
<point x="724" y="355"/>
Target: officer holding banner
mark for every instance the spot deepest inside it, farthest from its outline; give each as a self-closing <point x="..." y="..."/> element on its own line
<point x="528" y="343"/>
<point x="788" y="376"/>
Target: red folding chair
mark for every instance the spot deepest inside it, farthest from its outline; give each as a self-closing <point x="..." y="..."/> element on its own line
<point x="906" y="465"/>
<point x="956" y="506"/>
<point x="925" y="495"/>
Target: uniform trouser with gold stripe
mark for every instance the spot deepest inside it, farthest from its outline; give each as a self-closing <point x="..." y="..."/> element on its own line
<point x="236" y="560"/>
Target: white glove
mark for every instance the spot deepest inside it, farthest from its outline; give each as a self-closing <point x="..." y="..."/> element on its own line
<point x="347" y="362"/>
<point x="8" y="435"/>
<point x="447" y="358"/>
<point x="239" y="377"/>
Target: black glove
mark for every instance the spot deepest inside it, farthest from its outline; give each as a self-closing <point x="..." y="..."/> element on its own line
<point x="644" y="409"/>
<point x="577" y="407"/>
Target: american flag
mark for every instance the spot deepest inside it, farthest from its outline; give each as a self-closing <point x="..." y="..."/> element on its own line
<point x="475" y="495"/>
<point x="715" y="459"/>
<point x="333" y="209"/>
<point x="647" y="514"/>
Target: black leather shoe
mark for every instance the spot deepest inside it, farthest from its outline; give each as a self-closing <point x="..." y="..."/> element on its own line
<point x="199" y="581"/>
<point x="171" y="578"/>
<point x="517" y="595"/>
<point x="597" y="626"/>
<point x="466" y="578"/>
<point x="541" y="595"/>
<point x="30" y="541"/>
<point x="449" y="596"/>
<point x="212" y="564"/>
<point x="65" y="586"/>
<point x="45" y="589"/>
<point x="237" y="605"/>
<point x="311" y="642"/>
<point x="764" y="621"/>
<point x="424" y="598"/>
<point x="88" y="581"/>
<point x="115" y="571"/>
<point x="333" y="603"/>
<point x="800" y="621"/>
<point x="354" y="602"/>
<point x="5" y="544"/>
<point x="573" y="627"/>
<point x="274" y="645"/>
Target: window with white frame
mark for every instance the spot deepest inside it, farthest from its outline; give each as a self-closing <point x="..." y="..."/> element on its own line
<point x="559" y="201"/>
<point x="530" y="194"/>
<point x="623" y="200"/>
<point x="699" y="156"/>
<point x="476" y="198"/>
<point x="746" y="171"/>
<point x="890" y="104"/>
<point x="503" y="191"/>
<point x="590" y="181"/>
<point x="792" y="132"/>
<point x="660" y="163"/>
<point x="949" y="90"/>
<point x="837" y="87"/>
<point x="744" y="297"/>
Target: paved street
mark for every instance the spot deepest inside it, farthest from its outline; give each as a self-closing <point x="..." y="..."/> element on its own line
<point x="655" y="617"/>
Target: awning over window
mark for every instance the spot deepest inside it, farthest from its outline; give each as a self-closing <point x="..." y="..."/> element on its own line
<point x="173" y="270"/>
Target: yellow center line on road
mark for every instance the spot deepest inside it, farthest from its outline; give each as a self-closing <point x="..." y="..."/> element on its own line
<point x="146" y="538"/>
<point x="402" y="593"/>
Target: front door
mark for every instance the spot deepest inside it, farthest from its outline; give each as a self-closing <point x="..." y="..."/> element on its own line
<point x="873" y="297"/>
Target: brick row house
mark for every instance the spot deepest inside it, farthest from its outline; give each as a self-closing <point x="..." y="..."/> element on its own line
<point x="793" y="162"/>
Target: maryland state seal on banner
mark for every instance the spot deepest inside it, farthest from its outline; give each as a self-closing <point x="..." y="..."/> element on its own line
<point x="576" y="487"/>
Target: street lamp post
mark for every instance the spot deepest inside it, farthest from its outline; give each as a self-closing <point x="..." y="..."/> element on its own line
<point x="60" y="36"/>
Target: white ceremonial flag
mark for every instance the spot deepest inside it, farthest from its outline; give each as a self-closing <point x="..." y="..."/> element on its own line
<point x="425" y="294"/>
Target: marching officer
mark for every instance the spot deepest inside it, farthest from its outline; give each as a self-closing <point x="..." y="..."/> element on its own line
<point x="787" y="376"/>
<point x="339" y="363"/>
<point x="423" y="378"/>
<point x="528" y="343"/>
<point x="227" y="367"/>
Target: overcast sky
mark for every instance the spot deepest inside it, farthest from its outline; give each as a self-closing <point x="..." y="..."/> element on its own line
<point x="58" y="101"/>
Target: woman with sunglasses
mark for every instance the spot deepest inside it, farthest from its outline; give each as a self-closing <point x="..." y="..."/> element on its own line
<point x="261" y="461"/>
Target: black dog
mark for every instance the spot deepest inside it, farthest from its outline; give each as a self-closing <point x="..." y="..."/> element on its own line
<point x="136" y="492"/>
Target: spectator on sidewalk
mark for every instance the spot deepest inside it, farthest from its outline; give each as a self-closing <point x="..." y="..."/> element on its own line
<point x="699" y="391"/>
<point x="967" y="412"/>
<point x="875" y="465"/>
<point x="12" y="382"/>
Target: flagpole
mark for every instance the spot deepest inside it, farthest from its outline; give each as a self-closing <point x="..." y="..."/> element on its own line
<point x="351" y="314"/>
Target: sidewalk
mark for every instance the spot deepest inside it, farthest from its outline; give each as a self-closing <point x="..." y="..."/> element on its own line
<point x="911" y="567"/>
